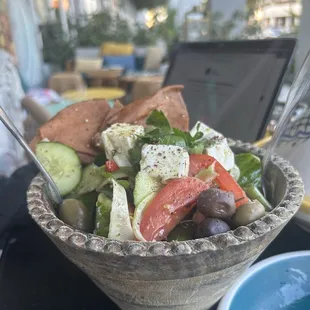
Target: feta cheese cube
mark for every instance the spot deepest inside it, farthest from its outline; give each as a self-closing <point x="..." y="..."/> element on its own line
<point x="118" y="140"/>
<point x="208" y="132"/>
<point x="216" y="145"/>
<point x="164" y="162"/>
<point x="220" y="150"/>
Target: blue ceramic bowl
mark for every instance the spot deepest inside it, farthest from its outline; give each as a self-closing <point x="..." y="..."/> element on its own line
<point x="280" y="282"/>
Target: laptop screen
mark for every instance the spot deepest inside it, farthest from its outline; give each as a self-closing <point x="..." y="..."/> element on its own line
<point x="231" y="86"/>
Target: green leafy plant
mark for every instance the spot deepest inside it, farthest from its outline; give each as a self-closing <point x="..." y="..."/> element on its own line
<point x="95" y="30"/>
<point x="102" y="27"/>
<point x="123" y="32"/>
<point x="220" y="28"/>
<point x="144" y="36"/>
<point x="167" y="29"/>
<point x="57" y="46"/>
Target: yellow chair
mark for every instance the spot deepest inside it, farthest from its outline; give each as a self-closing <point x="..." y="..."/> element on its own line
<point x="63" y="81"/>
<point x="116" y="49"/>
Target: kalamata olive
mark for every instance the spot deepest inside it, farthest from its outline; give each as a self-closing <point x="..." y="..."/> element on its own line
<point x="210" y="227"/>
<point x="216" y="203"/>
<point x="184" y="231"/>
<point x="248" y="213"/>
<point x="74" y="212"/>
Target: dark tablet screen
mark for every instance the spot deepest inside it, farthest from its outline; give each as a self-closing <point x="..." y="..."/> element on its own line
<point x="231" y="86"/>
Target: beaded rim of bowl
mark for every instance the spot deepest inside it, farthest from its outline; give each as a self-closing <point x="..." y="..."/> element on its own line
<point x="41" y="211"/>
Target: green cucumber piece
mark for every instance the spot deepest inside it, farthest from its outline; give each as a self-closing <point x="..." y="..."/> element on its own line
<point x="145" y="185"/>
<point x="91" y="179"/>
<point x="103" y="211"/>
<point x="62" y="163"/>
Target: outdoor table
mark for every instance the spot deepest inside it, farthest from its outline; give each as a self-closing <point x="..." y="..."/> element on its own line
<point x="103" y="77"/>
<point x="70" y="97"/>
<point x="35" y="275"/>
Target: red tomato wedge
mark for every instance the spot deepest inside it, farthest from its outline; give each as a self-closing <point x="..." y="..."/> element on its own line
<point x="169" y="207"/>
<point x="224" y="180"/>
<point x="111" y="166"/>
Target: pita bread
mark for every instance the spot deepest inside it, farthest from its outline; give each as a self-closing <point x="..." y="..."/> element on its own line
<point x="75" y="126"/>
<point x="79" y="125"/>
<point x="168" y="99"/>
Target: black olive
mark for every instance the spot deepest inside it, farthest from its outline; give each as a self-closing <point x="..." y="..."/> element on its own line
<point x="216" y="203"/>
<point x="248" y="213"/>
<point x="210" y="227"/>
<point x="74" y="212"/>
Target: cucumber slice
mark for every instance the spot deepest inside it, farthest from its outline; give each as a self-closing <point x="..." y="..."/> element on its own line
<point x="145" y="185"/>
<point x="91" y="179"/>
<point x="62" y="163"/>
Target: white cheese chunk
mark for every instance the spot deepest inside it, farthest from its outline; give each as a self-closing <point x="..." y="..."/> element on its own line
<point x="120" y="226"/>
<point x="118" y="140"/>
<point x="222" y="153"/>
<point x="216" y="145"/>
<point x="164" y="161"/>
<point x="208" y="132"/>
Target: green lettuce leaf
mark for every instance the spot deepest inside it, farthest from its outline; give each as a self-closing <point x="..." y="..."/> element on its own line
<point x="250" y="169"/>
<point x="89" y="201"/>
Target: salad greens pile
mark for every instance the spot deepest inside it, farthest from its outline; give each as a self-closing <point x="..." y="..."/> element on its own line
<point x="196" y="186"/>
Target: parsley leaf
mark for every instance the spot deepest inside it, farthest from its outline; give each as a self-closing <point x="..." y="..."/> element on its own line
<point x="158" y="119"/>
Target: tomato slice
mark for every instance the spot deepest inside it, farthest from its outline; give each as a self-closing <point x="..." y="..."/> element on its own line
<point x="169" y="207"/>
<point x="111" y="166"/>
<point x="224" y="180"/>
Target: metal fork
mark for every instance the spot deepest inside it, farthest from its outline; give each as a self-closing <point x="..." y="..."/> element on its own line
<point x="298" y="90"/>
<point x="50" y="186"/>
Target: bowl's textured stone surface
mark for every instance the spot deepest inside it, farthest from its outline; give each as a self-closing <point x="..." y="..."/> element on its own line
<point x="188" y="275"/>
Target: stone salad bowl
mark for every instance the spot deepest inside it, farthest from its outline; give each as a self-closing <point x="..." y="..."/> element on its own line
<point x="190" y="275"/>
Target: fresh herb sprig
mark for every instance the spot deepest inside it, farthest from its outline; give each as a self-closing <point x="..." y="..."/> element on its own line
<point x="159" y="131"/>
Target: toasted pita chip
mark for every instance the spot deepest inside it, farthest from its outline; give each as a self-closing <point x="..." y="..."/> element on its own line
<point x="78" y="125"/>
<point x="112" y="114"/>
<point x="75" y="126"/>
<point x="168" y="99"/>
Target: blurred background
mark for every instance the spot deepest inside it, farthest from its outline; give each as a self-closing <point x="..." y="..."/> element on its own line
<point x="54" y="53"/>
<point x="47" y="34"/>
<point x="57" y="52"/>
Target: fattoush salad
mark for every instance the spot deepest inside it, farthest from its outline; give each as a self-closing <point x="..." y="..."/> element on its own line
<point x="136" y="172"/>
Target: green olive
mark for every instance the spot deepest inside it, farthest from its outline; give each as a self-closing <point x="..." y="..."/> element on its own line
<point x="182" y="232"/>
<point x="248" y="213"/>
<point x="74" y="212"/>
